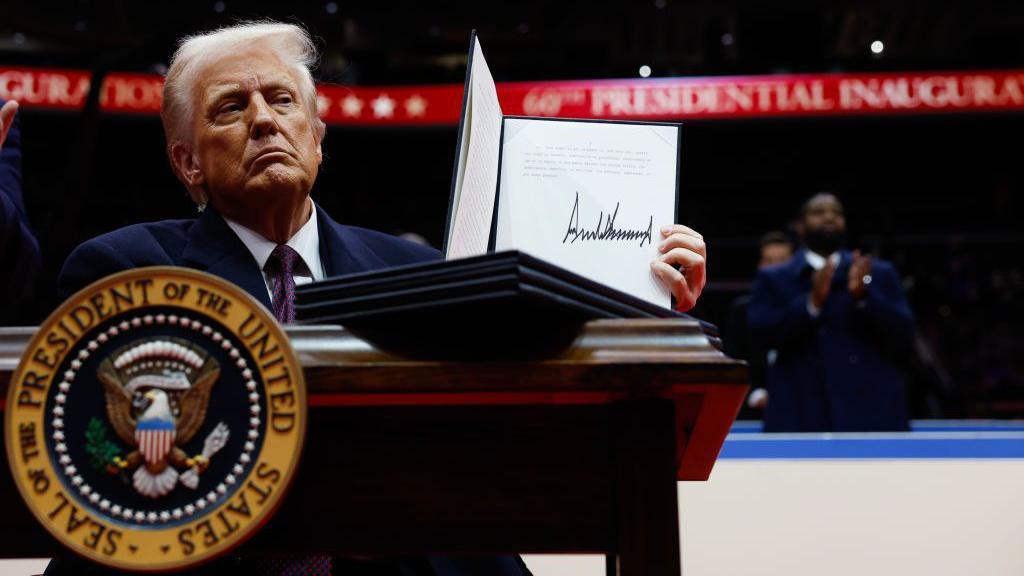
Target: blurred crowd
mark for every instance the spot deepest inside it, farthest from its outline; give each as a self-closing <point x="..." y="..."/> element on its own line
<point x="970" y="361"/>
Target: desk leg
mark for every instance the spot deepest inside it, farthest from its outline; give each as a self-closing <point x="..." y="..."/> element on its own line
<point x="647" y="518"/>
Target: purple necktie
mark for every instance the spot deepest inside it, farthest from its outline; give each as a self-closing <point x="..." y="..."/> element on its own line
<point x="281" y="267"/>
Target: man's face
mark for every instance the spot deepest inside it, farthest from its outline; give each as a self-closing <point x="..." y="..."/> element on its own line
<point x="824" y="226"/>
<point x="824" y="216"/>
<point x="775" y="253"/>
<point x="254" y="143"/>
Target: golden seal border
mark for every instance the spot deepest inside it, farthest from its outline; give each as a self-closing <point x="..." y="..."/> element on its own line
<point x="286" y="452"/>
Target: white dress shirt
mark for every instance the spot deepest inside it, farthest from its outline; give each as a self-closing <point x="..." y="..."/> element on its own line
<point x="817" y="261"/>
<point x="306" y="242"/>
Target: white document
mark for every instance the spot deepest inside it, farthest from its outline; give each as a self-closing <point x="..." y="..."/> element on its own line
<point x="587" y="196"/>
<point x="477" y="165"/>
<point x="590" y="197"/>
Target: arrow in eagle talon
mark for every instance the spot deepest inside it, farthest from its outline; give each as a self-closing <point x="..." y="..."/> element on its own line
<point x="214" y="442"/>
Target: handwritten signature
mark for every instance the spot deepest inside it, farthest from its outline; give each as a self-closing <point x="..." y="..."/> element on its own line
<point x="608" y="231"/>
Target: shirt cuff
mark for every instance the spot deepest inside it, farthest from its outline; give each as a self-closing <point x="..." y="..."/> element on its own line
<point x="758" y="398"/>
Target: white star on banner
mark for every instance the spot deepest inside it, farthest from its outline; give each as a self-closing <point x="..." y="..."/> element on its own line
<point x="323" y="104"/>
<point x="352" y="105"/>
<point x="415" y="106"/>
<point x="383" y="106"/>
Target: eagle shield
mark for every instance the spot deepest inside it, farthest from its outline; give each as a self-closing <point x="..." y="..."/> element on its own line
<point x="155" y="438"/>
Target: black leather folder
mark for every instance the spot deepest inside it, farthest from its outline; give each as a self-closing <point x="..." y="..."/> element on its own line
<point x="500" y="305"/>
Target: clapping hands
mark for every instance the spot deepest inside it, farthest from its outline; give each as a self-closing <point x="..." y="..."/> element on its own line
<point x="858" y="278"/>
<point x="860" y="275"/>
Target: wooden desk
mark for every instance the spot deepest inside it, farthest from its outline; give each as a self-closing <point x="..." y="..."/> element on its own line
<point x="578" y="453"/>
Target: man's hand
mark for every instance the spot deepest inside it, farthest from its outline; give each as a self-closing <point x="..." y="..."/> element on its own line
<point x="6" y="117"/>
<point x="758" y="399"/>
<point x="822" y="284"/>
<point x="682" y="247"/>
<point x="860" y="275"/>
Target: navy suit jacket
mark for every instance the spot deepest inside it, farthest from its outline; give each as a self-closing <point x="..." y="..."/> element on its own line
<point x="839" y="371"/>
<point x="19" y="251"/>
<point x="207" y="243"/>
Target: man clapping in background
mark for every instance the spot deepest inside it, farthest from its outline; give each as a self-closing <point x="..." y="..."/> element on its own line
<point x="836" y="324"/>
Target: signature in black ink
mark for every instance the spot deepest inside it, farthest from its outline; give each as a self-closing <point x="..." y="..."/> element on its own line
<point x="607" y="232"/>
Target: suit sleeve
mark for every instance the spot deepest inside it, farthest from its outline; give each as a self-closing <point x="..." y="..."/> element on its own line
<point x="885" y="312"/>
<point x="777" y="317"/>
<point x="19" y="251"/>
<point x="89" y="262"/>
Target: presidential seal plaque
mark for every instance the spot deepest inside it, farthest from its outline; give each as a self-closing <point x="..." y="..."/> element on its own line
<point x="156" y="419"/>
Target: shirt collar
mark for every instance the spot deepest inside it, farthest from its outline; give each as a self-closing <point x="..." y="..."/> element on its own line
<point x="817" y="261"/>
<point x="306" y="242"/>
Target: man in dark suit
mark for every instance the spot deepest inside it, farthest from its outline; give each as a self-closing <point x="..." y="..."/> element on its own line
<point x="243" y="136"/>
<point x="836" y="324"/>
<point x="19" y="251"/>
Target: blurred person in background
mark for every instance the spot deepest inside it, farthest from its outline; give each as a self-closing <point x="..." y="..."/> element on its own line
<point x="837" y="326"/>
<point x="776" y="248"/>
<point x="19" y="251"/>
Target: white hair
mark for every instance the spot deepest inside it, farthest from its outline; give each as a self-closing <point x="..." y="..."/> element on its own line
<point x="291" y="43"/>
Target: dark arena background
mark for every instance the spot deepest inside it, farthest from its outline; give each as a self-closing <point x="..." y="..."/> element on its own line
<point x="939" y="193"/>
<point x="910" y="112"/>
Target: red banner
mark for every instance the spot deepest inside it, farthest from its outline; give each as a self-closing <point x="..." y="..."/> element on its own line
<point x="631" y="99"/>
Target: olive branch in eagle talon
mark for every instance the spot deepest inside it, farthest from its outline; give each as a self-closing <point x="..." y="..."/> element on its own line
<point x="103" y="454"/>
<point x="157" y="394"/>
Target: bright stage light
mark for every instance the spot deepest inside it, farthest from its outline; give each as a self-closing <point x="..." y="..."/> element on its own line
<point x="877" y="47"/>
<point x="645" y="71"/>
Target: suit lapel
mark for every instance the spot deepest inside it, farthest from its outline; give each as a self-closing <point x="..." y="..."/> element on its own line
<point x="215" y="248"/>
<point x="341" y="253"/>
<point x="801" y="270"/>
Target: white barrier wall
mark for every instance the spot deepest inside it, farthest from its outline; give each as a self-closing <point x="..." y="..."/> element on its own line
<point x="934" y="503"/>
<point x="855" y="517"/>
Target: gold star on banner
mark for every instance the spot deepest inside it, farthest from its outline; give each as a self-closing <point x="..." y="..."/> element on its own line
<point x="415" y="106"/>
<point x="383" y="106"/>
<point x="352" y="105"/>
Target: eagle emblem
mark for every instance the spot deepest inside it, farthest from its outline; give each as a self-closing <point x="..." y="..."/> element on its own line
<point x="156" y="393"/>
